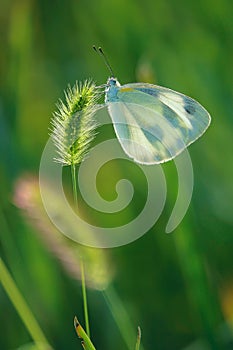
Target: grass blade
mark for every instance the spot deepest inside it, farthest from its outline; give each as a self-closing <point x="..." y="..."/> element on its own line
<point x="139" y="335"/>
<point x="85" y="340"/>
<point x="22" y="308"/>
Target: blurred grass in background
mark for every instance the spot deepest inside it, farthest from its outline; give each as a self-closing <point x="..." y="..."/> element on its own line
<point x="178" y="287"/>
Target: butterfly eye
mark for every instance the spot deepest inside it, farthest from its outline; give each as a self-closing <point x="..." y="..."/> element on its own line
<point x="112" y="81"/>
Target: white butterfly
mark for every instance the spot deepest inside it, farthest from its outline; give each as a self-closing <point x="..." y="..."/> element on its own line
<point x="153" y="124"/>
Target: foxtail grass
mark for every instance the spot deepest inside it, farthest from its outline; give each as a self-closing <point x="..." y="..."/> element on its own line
<point x="73" y="124"/>
<point x="73" y="129"/>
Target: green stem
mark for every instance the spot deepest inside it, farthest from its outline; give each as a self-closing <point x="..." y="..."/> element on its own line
<point x="84" y="290"/>
<point x="85" y="307"/>
<point x="74" y="184"/>
<point x="22" y="308"/>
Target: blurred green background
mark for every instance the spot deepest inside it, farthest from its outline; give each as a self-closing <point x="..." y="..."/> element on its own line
<point x="177" y="287"/>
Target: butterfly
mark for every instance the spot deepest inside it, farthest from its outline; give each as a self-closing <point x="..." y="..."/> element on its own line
<point x="153" y="124"/>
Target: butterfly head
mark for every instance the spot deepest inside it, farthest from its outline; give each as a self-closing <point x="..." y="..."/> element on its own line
<point x="113" y="82"/>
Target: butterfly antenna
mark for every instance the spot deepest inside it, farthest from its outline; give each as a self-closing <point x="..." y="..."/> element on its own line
<point x="102" y="54"/>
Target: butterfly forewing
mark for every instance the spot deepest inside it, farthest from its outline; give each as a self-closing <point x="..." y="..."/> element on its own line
<point x="154" y="124"/>
<point x="190" y="116"/>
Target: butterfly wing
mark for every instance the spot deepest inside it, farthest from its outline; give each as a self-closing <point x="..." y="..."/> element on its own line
<point x="155" y="124"/>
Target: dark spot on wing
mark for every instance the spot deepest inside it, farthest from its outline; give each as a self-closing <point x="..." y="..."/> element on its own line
<point x="189" y="107"/>
<point x="152" y="92"/>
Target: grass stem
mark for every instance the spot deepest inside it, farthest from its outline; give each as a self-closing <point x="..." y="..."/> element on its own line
<point x="84" y="290"/>
<point x="74" y="184"/>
